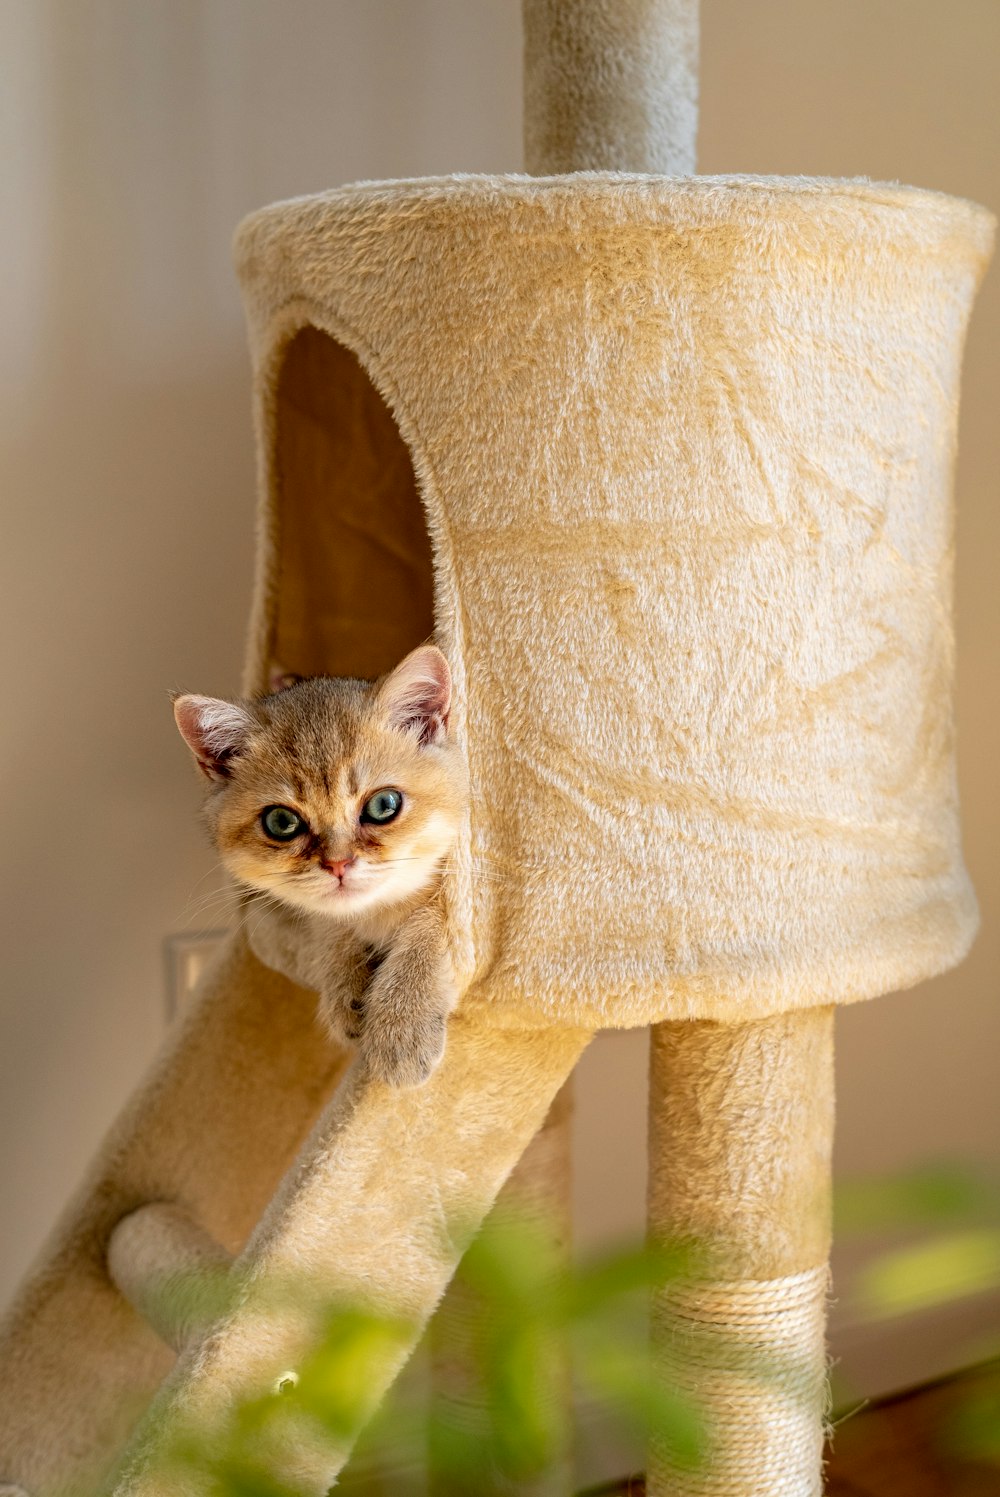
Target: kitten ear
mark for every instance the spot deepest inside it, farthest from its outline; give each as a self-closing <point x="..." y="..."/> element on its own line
<point x="213" y="730"/>
<point x="417" y="694"/>
<point x="278" y="679"/>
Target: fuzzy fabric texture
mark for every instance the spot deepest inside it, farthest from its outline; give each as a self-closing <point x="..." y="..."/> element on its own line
<point x="741" y="1141"/>
<point x="610" y="85"/>
<point x="685" y="452"/>
<point x="213" y="1127"/>
<point x="740" y="1149"/>
<point x="169" y="1269"/>
<point x="539" y="1195"/>
<point x="378" y="1212"/>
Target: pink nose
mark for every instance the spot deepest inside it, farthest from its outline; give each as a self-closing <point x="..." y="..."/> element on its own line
<point x="339" y="867"/>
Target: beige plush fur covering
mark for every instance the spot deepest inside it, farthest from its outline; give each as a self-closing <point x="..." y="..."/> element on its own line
<point x="684" y="451"/>
<point x="741" y="1134"/>
<point x="377" y="1207"/>
<point x="740" y="1144"/>
<point x="218" y="1120"/>
<point x="685" y="456"/>
<point x="378" y="1212"/>
<point x="538" y="1194"/>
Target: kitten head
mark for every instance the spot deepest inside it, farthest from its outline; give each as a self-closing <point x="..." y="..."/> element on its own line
<point x="334" y="796"/>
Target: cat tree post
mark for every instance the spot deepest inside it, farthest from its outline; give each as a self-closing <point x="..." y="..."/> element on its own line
<point x="610" y="85"/>
<point x="732" y="1169"/>
<point x="740" y="1142"/>
<point x="666" y="465"/>
<point x="610" y="89"/>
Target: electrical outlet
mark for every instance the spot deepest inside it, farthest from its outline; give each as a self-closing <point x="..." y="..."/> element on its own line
<point x="188" y="957"/>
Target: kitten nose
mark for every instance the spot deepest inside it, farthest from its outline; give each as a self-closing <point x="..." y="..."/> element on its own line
<point x="338" y="866"/>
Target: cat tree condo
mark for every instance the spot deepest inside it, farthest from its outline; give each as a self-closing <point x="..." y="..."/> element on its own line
<point x="664" y="463"/>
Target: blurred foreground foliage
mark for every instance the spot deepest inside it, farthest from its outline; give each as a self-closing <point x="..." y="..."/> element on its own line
<point x="942" y="1223"/>
<point x="531" y="1322"/>
<point x="957" y="1254"/>
<point x="534" y="1321"/>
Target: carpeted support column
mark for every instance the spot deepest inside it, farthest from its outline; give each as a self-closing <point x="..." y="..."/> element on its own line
<point x="610" y="85"/>
<point x="740" y="1140"/>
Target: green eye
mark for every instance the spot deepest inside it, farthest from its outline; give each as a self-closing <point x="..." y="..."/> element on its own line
<point x="282" y="823"/>
<point x="382" y="806"/>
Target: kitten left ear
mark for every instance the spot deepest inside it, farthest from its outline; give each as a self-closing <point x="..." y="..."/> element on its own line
<point x="417" y="694"/>
<point x="278" y="679"/>
<point x="213" y="730"/>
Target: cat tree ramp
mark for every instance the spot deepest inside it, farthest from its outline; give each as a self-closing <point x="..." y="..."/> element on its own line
<point x="664" y="462"/>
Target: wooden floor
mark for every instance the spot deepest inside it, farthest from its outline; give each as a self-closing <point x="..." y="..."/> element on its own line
<point x="902" y="1446"/>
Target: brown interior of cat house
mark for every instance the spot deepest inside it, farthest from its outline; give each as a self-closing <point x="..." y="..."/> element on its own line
<point x="355" y="578"/>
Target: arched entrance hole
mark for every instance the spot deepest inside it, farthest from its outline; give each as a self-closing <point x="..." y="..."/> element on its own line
<point x="355" y="577"/>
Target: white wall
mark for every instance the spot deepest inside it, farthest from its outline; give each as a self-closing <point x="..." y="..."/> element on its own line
<point x="137" y="132"/>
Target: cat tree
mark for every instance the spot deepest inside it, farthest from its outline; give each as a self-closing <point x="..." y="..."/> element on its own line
<point x="665" y="463"/>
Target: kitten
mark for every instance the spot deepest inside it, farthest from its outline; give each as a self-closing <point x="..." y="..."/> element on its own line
<point x="339" y="800"/>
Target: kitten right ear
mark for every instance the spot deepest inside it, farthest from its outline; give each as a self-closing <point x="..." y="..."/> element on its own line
<point x="213" y="730"/>
<point x="417" y="694"/>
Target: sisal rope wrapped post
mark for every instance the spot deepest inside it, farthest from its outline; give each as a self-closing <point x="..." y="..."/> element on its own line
<point x="740" y="1140"/>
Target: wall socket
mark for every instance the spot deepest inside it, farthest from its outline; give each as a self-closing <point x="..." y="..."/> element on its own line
<point x="188" y="956"/>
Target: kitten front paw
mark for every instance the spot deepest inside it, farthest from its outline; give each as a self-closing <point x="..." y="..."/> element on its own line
<point x="332" y="1015"/>
<point x="343" y="994"/>
<point x="352" y="1018"/>
<point x="403" y="1049"/>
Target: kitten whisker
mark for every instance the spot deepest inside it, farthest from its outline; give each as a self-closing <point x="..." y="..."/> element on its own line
<point x="196" y="900"/>
<point x="214" y="868"/>
<point x="251" y="933"/>
<point x="216" y="904"/>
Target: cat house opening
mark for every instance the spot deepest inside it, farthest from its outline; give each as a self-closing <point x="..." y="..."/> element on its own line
<point x="355" y="577"/>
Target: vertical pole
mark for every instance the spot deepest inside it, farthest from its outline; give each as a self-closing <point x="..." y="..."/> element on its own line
<point x="740" y="1144"/>
<point x="610" y="85"/>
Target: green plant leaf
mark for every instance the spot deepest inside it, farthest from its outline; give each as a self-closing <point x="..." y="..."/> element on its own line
<point x="932" y="1273"/>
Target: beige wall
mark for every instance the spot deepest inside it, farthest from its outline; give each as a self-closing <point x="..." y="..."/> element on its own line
<point x="137" y="132"/>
